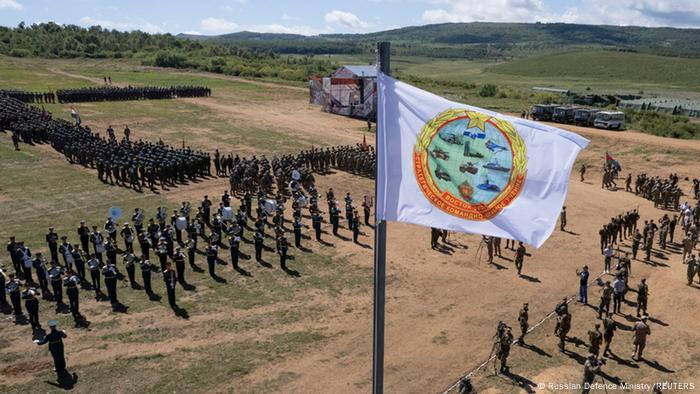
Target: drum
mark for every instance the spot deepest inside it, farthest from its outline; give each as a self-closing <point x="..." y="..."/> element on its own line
<point x="302" y="201"/>
<point x="296" y="175"/>
<point x="270" y="206"/>
<point x="181" y="223"/>
<point x="227" y="213"/>
<point x="100" y="248"/>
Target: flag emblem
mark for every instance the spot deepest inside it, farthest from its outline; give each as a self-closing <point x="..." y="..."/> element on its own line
<point x="469" y="164"/>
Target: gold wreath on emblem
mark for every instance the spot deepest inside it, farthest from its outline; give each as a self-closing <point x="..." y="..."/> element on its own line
<point x="456" y="205"/>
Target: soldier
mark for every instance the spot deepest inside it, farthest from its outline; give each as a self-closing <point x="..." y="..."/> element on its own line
<point x="505" y="341"/>
<point x="52" y="241"/>
<point x="642" y="296"/>
<point x="31" y="303"/>
<point x="519" y="257"/>
<point x="434" y="236"/>
<point x="619" y="288"/>
<point x="590" y="368"/>
<point x="348" y="209"/>
<point x="25" y="256"/>
<point x="11" y="248"/>
<point x="127" y="234"/>
<point x="297" y="232"/>
<point x="212" y="258"/>
<point x="191" y="246"/>
<point x="206" y="209"/>
<point x="110" y="273"/>
<point x="609" y="327"/>
<point x="162" y="252"/>
<point x="355" y="226"/>
<point x="13" y="289"/>
<point x="3" y="295"/>
<point x="582" y="171"/>
<point x="628" y="183"/>
<point x="146" y="268"/>
<point x="95" y="266"/>
<point x="84" y="236"/>
<point x="56" y="278"/>
<point x="258" y="240"/>
<point x="608" y="253"/>
<point x="145" y="243"/>
<point x="39" y="265"/>
<point x="179" y="259"/>
<point x="234" y="245"/>
<point x="562" y="219"/>
<point x="170" y="278"/>
<point x="465" y="386"/>
<point x="66" y="250"/>
<point x="334" y="213"/>
<point x="595" y="337"/>
<point x="71" y="282"/>
<point x="562" y="329"/>
<point x="523" y="320"/>
<point x="130" y="265"/>
<point x="641" y="331"/>
<point x="366" y="207"/>
<point x="316" y="222"/>
<point x="97" y="242"/>
<point x="636" y="240"/>
<point x="55" y="340"/>
<point x="282" y="248"/>
<point x="692" y="267"/>
<point x="605" y="297"/>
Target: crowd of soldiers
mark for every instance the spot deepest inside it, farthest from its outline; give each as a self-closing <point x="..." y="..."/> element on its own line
<point x="134" y="164"/>
<point x="665" y="193"/>
<point x="29" y="97"/>
<point x="114" y="93"/>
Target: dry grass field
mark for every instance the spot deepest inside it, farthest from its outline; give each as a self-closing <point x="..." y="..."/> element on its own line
<point x="312" y="333"/>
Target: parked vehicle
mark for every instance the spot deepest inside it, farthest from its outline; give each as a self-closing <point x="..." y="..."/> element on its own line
<point x="543" y="111"/>
<point x="564" y="114"/>
<point x="585" y="116"/>
<point x="610" y="120"/>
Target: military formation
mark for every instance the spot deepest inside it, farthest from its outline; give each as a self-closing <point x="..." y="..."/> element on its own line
<point x="114" y="93"/>
<point x="665" y="193"/>
<point x="29" y="97"/>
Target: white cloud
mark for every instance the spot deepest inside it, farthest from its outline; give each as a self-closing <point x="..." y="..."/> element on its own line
<point x="216" y="25"/>
<point x="11" y="5"/>
<point x="193" y="32"/>
<point x="677" y="13"/>
<point x="346" y="19"/>
<point x="122" y="25"/>
<point x="480" y="10"/>
<point x="286" y="17"/>
<point x="282" y="29"/>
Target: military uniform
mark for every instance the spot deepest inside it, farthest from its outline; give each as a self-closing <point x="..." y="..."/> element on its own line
<point x="31" y="303"/>
<point x="170" y="278"/>
<point x="146" y="268"/>
<point x="110" y="273"/>
<point x="56" y="278"/>
<point x="523" y="321"/>
<point x="55" y="341"/>
<point x="71" y="282"/>
<point x="95" y="268"/>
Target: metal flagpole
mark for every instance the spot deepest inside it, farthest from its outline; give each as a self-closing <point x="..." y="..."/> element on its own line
<point x="383" y="56"/>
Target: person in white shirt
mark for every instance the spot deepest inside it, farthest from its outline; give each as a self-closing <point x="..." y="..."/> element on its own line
<point x="619" y="288"/>
<point x="608" y="252"/>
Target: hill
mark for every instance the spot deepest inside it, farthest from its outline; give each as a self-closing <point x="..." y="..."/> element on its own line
<point x="610" y="66"/>
<point x="481" y="40"/>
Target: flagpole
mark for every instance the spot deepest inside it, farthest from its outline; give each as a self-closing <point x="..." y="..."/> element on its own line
<point x="383" y="61"/>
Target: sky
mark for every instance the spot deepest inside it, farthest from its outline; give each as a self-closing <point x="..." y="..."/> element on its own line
<point x="311" y="17"/>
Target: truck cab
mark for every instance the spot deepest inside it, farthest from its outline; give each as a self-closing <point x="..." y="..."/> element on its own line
<point x="543" y="111"/>
<point x="610" y="120"/>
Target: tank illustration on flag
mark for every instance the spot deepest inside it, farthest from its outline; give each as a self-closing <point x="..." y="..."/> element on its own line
<point x="469" y="164"/>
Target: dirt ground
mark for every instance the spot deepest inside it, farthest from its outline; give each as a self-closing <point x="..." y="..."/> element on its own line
<point x="442" y="306"/>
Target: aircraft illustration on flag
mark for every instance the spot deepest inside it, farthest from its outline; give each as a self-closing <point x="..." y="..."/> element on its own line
<point x="494" y="147"/>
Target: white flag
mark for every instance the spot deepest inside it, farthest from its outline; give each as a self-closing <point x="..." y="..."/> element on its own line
<point x="452" y="166"/>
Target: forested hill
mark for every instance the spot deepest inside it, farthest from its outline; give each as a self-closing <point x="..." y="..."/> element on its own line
<point x="468" y="39"/>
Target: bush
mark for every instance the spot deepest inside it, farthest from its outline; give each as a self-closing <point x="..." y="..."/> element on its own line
<point x="19" y="52"/>
<point x="170" y="59"/>
<point x="488" y="90"/>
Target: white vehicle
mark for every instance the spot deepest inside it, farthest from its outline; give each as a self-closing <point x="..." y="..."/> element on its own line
<point x="611" y="120"/>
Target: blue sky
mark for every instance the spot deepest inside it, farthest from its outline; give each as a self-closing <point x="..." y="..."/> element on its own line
<point x="312" y="17"/>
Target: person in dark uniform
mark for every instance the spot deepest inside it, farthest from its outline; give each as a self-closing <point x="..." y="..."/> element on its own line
<point x="282" y="248"/>
<point x="84" y="235"/>
<point x="179" y="259"/>
<point x="191" y="246"/>
<point x="355" y="226"/>
<point x="14" y="256"/>
<point x="71" y="282"/>
<point x="130" y="265"/>
<point x="31" y="303"/>
<point x="39" y="265"/>
<point x="110" y="273"/>
<point x="55" y="341"/>
<point x="56" y="278"/>
<point x="366" y="207"/>
<point x="206" y="209"/>
<point x="79" y="263"/>
<point x="13" y="289"/>
<point x="146" y="275"/>
<point x="162" y="252"/>
<point x="3" y="295"/>
<point x="95" y="266"/>
<point x="52" y="241"/>
<point x="316" y="221"/>
<point x="258" y="240"/>
<point x="145" y="244"/>
<point x="297" y="232"/>
<point x="212" y="253"/>
<point x="170" y="278"/>
<point x="234" y="243"/>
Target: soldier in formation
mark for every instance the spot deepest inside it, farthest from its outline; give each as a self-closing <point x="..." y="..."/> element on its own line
<point x="114" y="93"/>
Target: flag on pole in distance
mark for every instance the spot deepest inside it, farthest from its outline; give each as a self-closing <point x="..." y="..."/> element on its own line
<point x="457" y="167"/>
<point x="609" y="160"/>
